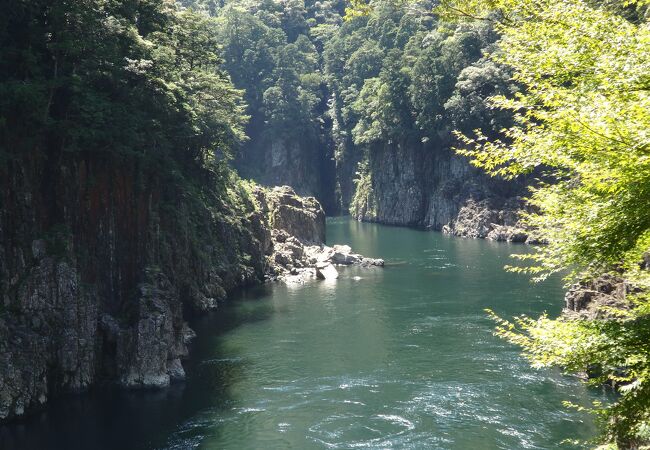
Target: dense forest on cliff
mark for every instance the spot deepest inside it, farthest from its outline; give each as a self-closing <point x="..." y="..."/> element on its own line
<point x="322" y="91"/>
<point x="126" y="127"/>
<point x="118" y="209"/>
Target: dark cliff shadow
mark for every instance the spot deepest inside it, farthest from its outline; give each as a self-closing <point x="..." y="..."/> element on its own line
<point x="111" y="418"/>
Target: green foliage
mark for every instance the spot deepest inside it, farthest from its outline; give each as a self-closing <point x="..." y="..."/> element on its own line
<point x="269" y="54"/>
<point x="363" y="203"/>
<point x="469" y="107"/>
<point x="614" y="351"/>
<point x="393" y="70"/>
<point x="398" y="75"/>
<point x="130" y="78"/>
<point x="585" y="113"/>
<point x="583" y="116"/>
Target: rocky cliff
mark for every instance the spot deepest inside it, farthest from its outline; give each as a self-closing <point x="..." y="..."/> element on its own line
<point x="410" y="183"/>
<point x="594" y="299"/>
<point x="101" y="264"/>
<point x="302" y="162"/>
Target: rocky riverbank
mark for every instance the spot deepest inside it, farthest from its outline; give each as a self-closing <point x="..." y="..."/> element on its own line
<point x="482" y="219"/>
<point x="298" y="251"/>
<point x="104" y="297"/>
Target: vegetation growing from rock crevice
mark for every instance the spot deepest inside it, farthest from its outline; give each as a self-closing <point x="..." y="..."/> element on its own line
<point x="363" y="201"/>
<point x="117" y="122"/>
<point x="117" y="84"/>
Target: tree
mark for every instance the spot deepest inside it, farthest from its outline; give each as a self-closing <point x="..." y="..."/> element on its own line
<point x="269" y="54"/>
<point x="469" y="107"/>
<point x="137" y="79"/>
<point x="383" y="107"/>
<point x="248" y="48"/>
<point x="583" y="114"/>
<point x="439" y="60"/>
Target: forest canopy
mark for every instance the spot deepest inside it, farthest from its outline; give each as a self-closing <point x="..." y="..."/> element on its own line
<point x="140" y="79"/>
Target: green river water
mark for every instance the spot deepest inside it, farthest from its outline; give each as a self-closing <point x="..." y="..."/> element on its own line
<point x="401" y="357"/>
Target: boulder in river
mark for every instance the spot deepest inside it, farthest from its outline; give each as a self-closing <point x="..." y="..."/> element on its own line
<point x="326" y="272"/>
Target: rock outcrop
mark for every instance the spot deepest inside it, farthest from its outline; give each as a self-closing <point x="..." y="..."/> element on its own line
<point x="298" y="251"/>
<point x="480" y="219"/>
<point x="300" y="217"/>
<point x="594" y="299"/>
<point x="413" y="184"/>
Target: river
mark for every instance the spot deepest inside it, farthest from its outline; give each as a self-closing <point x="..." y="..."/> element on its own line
<point x="399" y="357"/>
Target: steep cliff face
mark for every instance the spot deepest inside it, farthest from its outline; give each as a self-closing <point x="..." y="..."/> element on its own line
<point x="99" y="262"/>
<point x="303" y="162"/>
<point x="414" y="184"/>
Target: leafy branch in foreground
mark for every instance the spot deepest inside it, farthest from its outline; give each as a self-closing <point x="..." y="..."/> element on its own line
<point x="614" y="352"/>
<point x="583" y="118"/>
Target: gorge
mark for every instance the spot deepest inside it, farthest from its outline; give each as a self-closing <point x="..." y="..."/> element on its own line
<point x="166" y="170"/>
<point x="107" y="246"/>
<point x="385" y="358"/>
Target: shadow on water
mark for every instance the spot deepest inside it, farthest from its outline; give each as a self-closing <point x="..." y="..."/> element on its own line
<point x="111" y="418"/>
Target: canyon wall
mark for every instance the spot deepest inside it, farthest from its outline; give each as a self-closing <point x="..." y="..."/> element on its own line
<point x="302" y="162"/>
<point x="100" y="263"/>
<point x="415" y="184"/>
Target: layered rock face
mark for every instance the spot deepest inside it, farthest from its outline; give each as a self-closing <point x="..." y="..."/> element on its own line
<point x="98" y="263"/>
<point x="304" y="163"/>
<point x="301" y="217"/>
<point x="415" y="185"/>
<point x="281" y="162"/>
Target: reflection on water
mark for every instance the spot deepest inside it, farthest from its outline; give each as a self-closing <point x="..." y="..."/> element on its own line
<point x="400" y="357"/>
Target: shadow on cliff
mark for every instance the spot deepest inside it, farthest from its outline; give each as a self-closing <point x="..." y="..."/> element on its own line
<point x="145" y="419"/>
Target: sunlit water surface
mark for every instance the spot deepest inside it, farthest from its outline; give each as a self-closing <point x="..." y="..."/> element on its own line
<point x="400" y="357"/>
